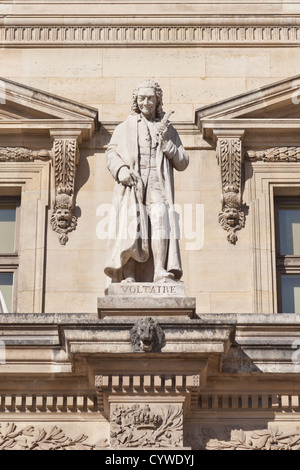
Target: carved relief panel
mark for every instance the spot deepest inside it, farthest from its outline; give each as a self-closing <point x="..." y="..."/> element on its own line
<point x="143" y="425"/>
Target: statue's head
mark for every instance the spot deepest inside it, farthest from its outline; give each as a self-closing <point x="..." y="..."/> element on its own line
<point x="147" y="99"/>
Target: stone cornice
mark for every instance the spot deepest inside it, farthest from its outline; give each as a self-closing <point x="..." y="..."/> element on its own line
<point x="167" y="34"/>
<point x="55" y="320"/>
<point x="202" y="7"/>
<point x="263" y="343"/>
<point x="154" y="18"/>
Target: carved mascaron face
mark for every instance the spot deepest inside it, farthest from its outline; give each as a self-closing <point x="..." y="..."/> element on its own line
<point x="146" y="101"/>
<point x="231" y="216"/>
<point x="63" y="217"/>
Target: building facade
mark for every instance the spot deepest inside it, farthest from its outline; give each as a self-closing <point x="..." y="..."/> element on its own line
<point x="224" y="372"/>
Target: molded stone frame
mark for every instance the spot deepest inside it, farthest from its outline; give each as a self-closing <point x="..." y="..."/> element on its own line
<point x="264" y="163"/>
<point x="267" y="181"/>
<point x="32" y="183"/>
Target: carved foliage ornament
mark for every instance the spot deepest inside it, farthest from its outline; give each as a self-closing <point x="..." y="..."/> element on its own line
<point x="21" y="154"/>
<point x="147" y="336"/>
<point x="267" y="439"/>
<point x="231" y="217"/>
<point x="146" y="426"/>
<point x="65" y="157"/>
<point x="274" y="154"/>
<point x="17" y="437"/>
<point x="238" y="439"/>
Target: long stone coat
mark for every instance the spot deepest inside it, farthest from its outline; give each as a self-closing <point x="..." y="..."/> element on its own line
<point x="129" y="231"/>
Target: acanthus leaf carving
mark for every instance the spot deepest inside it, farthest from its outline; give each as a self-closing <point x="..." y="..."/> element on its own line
<point x="65" y="157"/>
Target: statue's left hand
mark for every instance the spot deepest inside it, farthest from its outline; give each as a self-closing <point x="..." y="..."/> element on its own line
<point x="162" y="139"/>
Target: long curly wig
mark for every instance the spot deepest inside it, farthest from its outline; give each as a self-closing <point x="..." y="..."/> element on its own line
<point x="159" y="97"/>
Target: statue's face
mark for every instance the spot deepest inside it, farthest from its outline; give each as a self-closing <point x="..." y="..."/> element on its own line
<point x="146" y="101"/>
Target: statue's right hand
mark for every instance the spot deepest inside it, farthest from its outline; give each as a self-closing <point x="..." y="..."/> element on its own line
<point x="127" y="177"/>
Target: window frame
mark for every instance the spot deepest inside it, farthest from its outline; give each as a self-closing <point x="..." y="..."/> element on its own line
<point x="285" y="264"/>
<point x="9" y="262"/>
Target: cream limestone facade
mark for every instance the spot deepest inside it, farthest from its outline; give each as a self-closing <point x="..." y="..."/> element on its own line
<point x="218" y="366"/>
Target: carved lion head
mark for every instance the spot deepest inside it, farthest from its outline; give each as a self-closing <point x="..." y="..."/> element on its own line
<point x="147" y="336"/>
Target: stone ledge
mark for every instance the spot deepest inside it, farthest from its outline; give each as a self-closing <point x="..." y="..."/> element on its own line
<point x="248" y="344"/>
<point x="223" y="319"/>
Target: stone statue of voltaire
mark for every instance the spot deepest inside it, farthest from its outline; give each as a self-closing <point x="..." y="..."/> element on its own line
<point x="144" y="149"/>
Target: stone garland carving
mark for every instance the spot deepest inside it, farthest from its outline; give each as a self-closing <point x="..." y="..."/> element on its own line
<point x="147" y="336"/>
<point x="65" y="157"/>
<point x="260" y="439"/>
<point x="21" y="154"/>
<point x="146" y="427"/>
<point x="268" y="439"/>
<point x="149" y="34"/>
<point x="16" y="437"/>
<point x="274" y="154"/>
<point x="231" y="217"/>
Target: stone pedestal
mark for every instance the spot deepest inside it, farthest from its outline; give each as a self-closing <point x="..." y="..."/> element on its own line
<point x="146" y="398"/>
<point x="140" y="299"/>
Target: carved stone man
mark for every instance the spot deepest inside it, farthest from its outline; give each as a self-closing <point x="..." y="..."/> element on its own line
<point x="142" y="153"/>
